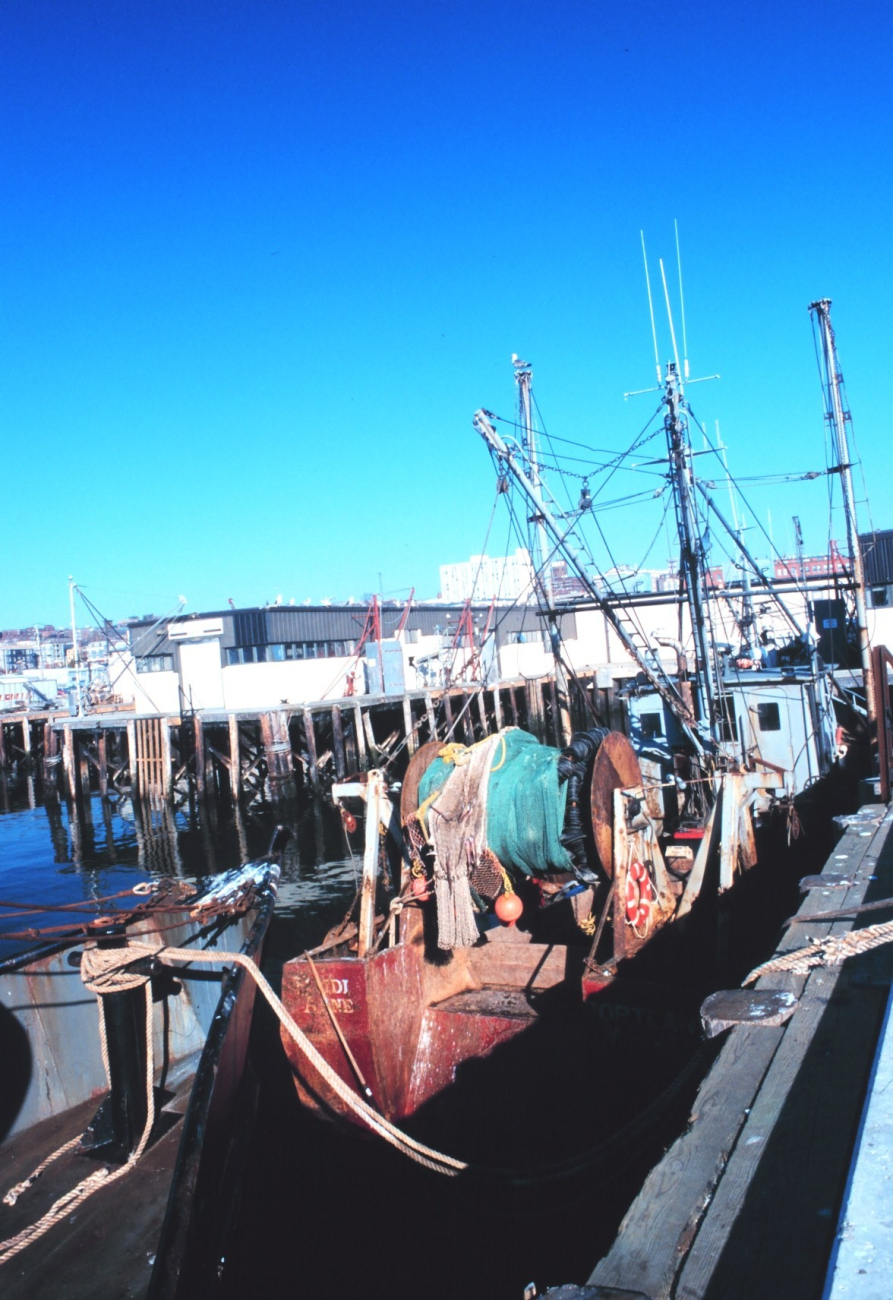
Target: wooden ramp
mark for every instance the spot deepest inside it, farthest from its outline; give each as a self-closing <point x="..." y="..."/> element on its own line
<point x="746" y="1202"/>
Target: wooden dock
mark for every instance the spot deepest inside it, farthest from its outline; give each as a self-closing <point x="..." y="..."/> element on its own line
<point x="746" y="1203"/>
<point x="270" y="754"/>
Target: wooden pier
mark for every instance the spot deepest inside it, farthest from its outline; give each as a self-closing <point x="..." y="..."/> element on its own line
<point x="746" y="1202"/>
<point x="270" y="755"/>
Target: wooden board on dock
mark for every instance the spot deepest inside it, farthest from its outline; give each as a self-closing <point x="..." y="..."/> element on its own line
<point x="745" y="1202"/>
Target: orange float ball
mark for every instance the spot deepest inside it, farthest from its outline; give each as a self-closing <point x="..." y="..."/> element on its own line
<point x="508" y="908"/>
<point x="350" y="822"/>
<point x="420" y="887"/>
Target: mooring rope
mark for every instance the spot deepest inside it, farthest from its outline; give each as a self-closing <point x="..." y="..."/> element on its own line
<point x="424" y="1155"/>
<point x="832" y="951"/>
<point x="109" y="970"/>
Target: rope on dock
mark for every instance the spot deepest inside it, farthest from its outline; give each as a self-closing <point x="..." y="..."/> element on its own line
<point x="832" y="951"/>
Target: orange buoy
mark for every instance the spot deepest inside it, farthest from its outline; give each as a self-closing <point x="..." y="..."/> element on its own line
<point x="350" y="822"/>
<point x="420" y="887"/>
<point x="508" y="908"/>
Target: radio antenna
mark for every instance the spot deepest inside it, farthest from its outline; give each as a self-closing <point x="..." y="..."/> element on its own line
<point x="663" y="276"/>
<point x="650" y="306"/>
<point x="681" y="300"/>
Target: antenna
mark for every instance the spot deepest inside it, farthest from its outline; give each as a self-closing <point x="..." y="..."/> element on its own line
<point x="663" y="276"/>
<point x="650" y="306"/>
<point x="722" y="451"/>
<point x="681" y="300"/>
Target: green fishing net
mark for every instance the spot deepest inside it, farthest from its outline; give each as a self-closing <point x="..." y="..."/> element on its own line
<point x="525" y="803"/>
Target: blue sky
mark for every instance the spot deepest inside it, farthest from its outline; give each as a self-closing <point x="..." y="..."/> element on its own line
<point x="260" y="263"/>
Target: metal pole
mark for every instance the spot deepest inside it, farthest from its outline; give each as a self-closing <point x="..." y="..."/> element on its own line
<point x="838" y="418"/>
<point x="680" y="465"/>
<point x="541" y="565"/>
<point x="74" y="639"/>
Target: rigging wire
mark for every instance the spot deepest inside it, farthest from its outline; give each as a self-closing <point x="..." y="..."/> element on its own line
<point x="102" y="623"/>
<point x="758" y="522"/>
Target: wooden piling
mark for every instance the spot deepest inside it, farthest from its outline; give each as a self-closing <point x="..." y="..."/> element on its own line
<point x="429" y="713"/>
<point x="310" y="737"/>
<point x="277" y="752"/>
<point x="359" y="737"/>
<point x="103" y="764"/>
<point x="497" y="708"/>
<point x="200" y="757"/>
<point x="465" y="714"/>
<point x="408" y="726"/>
<point x="235" y="758"/>
<point x="482" y="713"/>
<point x="26" y="737"/>
<point x="338" y="743"/>
<point x="50" y="750"/>
<point x="166" y="773"/>
<point x="448" y="714"/>
<point x="370" y="734"/>
<point x="71" y="783"/>
<point x="2" y="746"/>
<point x="132" y="758"/>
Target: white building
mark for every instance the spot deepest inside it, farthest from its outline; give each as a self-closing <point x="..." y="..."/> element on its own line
<point x="508" y="577"/>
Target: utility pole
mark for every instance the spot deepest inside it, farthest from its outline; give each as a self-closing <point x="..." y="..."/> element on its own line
<point x="838" y="417"/>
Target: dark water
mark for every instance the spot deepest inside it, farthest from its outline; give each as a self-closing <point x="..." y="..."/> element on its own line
<point x="47" y="858"/>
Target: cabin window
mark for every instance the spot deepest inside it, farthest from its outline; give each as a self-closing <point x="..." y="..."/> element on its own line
<point x="769" y="717"/>
<point x="878" y="597"/>
<point x="155" y="664"/>
<point x="652" y="724"/>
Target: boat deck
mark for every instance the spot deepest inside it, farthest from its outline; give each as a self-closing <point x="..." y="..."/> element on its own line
<point x="748" y="1198"/>
<point x="106" y="1246"/>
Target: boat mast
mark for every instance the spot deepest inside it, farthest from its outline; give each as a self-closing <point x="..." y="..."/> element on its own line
<point x="838" y="417"/>
<point x="682" y="475"/>
<point x="541" y="566"/>
<point x="561" y="542"/>
<point x="541" y="558"/>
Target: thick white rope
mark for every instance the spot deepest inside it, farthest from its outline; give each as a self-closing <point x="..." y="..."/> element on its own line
<point x="831" y="951"/>
<point x="424" y="1155"/>
<point x="109" y="972"/>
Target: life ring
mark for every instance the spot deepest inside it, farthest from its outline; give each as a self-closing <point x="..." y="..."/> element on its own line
<point x="639" y="895"/>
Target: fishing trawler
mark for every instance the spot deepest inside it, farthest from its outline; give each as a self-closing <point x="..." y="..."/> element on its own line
<point x="543" y="895"/>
